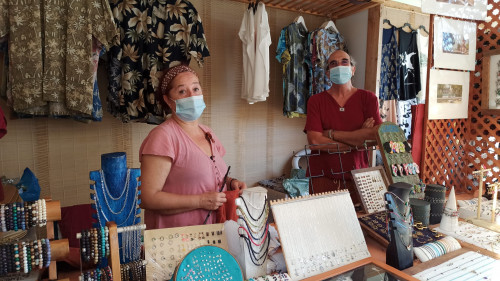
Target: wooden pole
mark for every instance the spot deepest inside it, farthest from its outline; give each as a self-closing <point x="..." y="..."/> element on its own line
<point x="481" y="179"/>
<point x="53" y="210"/>
<point x="494" y="205"/>
<point x="114" y="247"/>
<point x="59" y="249"/>
<point x="423" y="165"/>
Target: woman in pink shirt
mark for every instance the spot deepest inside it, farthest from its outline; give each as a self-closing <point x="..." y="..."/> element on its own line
<point x="181" y="160"/>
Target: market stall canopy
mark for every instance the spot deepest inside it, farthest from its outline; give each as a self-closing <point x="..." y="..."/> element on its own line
<point x="334" y="9"/>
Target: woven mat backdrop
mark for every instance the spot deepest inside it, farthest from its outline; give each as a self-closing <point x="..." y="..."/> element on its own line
<point x="456" y="148"/>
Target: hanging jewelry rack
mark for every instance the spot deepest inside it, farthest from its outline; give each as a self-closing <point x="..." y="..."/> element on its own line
<point x="316" y="149"/>
<point x="253" y="230"/>
<point x="114" y="247"/>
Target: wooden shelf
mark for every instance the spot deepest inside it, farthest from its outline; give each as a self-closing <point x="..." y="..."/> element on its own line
<point x="333" y="9"/>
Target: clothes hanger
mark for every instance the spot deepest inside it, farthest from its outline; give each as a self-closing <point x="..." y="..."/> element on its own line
<point x="328" y="24"/>
<point x="423" y="28"/>
<point x="256" y="4"/>
<point x="300" y="19"/>
<point x="409" y="26"/>
<point x="388" y="22"/>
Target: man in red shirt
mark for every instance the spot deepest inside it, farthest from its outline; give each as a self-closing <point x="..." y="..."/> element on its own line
<point x="340" y="120"/>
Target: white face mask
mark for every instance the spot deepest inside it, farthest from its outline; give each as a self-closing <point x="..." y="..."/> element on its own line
<point x="190" y="108"/>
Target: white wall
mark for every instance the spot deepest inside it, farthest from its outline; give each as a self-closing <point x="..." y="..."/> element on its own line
<point x="354" y="29"/>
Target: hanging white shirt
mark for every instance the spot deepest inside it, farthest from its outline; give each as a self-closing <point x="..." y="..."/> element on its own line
<point x="423" y="48"/>
<point x="247" y="37"/>
<point x="261" y="66"/>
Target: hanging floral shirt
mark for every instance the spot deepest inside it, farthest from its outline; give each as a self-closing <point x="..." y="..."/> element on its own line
<point x="389" y="74"/>
<point x="290" y="53"/>
<point x="156" y="35"/>
<point x="326" y="41"/>
<point x="4" y="64"/>
<point x="52" y="74"/>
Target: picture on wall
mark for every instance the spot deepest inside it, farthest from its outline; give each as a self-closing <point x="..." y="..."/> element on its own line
<point x="490" y="97"/>
<point x="466" y="9"/>
<point x="448" y="94"/>
<point x="454" y="44"/>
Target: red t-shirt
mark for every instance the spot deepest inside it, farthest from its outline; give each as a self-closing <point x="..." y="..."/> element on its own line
<point x="324" y="113"/>
<point x="3" y="124"/>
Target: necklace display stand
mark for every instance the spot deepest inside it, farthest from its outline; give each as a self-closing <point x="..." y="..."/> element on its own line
<point x="116" y="193"/>
<point x="253" y="210"/>
<point x="399" y="253"/>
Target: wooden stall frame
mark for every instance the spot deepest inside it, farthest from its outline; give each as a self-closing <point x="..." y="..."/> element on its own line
<point x="354" y="265"/>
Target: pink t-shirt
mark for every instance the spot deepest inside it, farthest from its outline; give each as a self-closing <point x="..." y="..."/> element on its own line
<point x="323" y="113"/>
<point x="192" y="172"/>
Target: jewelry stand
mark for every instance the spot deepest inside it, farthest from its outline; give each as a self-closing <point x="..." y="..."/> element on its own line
<point x="252" y="210"/>
<point x="399" y="253"/>
<point x="327" y="179"/>
<point x="449" y="221"/>
<point x="114" y="246"/>
<point x="478" y="221"/>
<point x="318" y="233"/>
<point x="397" y="158"/>
<point x="116" y="193"/>
<point x="59" y="249"/>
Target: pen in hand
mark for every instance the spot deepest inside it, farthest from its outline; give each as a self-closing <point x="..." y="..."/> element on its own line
<point x="220" y="190"/>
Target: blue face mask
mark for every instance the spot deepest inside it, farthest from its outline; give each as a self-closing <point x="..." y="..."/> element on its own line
<point x="190" y="108"/>
<point x="340" y="74"/>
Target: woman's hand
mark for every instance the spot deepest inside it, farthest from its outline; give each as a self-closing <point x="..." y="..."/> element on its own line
<point x="235" y="184"/>
<point x="212" y="200"/>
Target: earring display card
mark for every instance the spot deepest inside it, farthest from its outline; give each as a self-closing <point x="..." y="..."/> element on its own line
<point x="165" y="248"/>
<point x="371" y="184"/>
<point x="319" y="233"/>
<point x="396" y="154"/>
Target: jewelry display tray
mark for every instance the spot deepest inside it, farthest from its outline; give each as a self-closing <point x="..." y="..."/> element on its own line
<point x="165" y="248"/>
<point x="391" y="132"/>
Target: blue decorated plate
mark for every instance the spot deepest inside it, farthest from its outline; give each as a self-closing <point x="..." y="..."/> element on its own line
<point x="208" y="263"/>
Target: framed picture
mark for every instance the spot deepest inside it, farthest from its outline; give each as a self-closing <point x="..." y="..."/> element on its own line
<point x="448" y="94"/>
<point x="454" y="44"/>
<point x="466" y="9"/>
<point x="490" y="103"/>
<point x="371" y="184"/>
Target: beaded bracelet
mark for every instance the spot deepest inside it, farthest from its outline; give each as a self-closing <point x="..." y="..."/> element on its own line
<point x="25" y="258"/>
<point x="2" y="218"/>
<point x="3" y="262"/>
